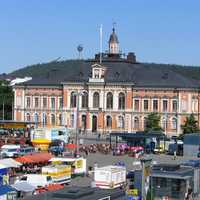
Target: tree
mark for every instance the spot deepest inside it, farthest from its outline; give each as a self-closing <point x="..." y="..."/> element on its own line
<point x="6" y="100"/>
<point x="153" y="123"/>
<point x="190" y="126"/>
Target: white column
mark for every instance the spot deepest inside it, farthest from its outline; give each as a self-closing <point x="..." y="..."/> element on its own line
<point x="90" y="99"/>
<point x="189" y="103"/>
<point x="179" y="104"/>
<point x="68" y="102"/>
<point x="115" y="100"/>
<point x="128" y="118"/>
<point x="179" y="117"/>
<point x="101" y="100"/>
<point x="23" y="106"/>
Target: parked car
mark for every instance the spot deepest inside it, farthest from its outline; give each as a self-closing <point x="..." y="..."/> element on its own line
<point x="56" y="147"/>
<point x="56" y="150"/>
<point x="158" y="150"/>
<point x="130" y="174"/>
<point x="24" y="150"/>
<point x="9" y="150"/>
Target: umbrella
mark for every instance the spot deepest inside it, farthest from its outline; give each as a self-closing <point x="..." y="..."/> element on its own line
<point x="23" y="186"/>
<point x="71" y="146"/>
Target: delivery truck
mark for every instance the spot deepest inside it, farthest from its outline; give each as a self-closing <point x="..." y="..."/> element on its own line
<point x="109" y="177"/>
<point x="59" y="173"/>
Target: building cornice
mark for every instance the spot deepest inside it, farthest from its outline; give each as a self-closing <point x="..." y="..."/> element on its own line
<point x="37" y="86"/>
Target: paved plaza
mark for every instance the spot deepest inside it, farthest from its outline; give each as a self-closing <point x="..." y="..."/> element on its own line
<point x="109" y="159"/>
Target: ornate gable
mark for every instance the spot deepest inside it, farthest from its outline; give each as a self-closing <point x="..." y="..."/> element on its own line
<point x="98" y="73"/>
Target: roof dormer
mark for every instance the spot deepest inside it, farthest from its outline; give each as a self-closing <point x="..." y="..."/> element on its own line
<point x="98" y="73"/>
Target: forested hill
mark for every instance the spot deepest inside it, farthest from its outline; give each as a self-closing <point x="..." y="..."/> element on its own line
<point x="41" y="70"/>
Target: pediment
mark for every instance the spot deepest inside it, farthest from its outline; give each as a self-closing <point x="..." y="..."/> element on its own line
<point x="97" y="65"/>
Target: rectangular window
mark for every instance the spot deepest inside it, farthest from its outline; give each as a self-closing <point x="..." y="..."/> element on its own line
<point x="165" y="105"/>
<point x="53" y="103"/>
<point x="136" y="105"/>
<point x="45" y="102"/>
<point x="174" y="106"/>
<point x="36" y="102"/>
<point x="60" y="103"/>
<point x="28" y="102"/>
<point x="146" y="105"/>
<point x="155" y="105"/>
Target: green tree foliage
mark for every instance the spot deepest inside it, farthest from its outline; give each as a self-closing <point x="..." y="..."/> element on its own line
<point x="153" y="123"/>
<point x="191" y="125"/>
<point x="6" y="100"/>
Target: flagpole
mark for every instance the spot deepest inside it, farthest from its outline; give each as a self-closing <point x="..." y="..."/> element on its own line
<point x="101" y="36"/>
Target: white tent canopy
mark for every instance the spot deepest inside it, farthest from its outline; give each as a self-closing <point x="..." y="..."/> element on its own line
<point x="8" y="163"/>
<point x="23" y="186"/>
<point x="2" y="166"/>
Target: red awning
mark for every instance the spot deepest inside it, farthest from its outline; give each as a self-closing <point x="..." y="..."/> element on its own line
<point x="35" y="158"/>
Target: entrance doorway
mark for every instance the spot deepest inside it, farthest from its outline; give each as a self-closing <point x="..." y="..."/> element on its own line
<point x="94" y="123"/>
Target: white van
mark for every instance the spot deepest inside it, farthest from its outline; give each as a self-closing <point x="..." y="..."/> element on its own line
<point x="36" y="180"/>
<point x="9" y="150"/>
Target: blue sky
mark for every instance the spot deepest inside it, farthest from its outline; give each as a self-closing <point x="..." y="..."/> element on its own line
<point x="35" y="31"/>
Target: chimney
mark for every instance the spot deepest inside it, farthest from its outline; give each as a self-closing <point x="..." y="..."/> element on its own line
<point x="131" y="57"/>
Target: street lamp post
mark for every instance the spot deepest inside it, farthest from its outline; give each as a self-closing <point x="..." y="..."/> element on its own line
<point x="165" y="123"/>
<point x="78" y="94"/>
<point x="77" y="122"/>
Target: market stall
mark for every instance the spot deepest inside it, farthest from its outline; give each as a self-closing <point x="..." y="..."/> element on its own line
<point x="78" y="165"/>
<point x="41" y="143"/>
<point x="34" y="158"/>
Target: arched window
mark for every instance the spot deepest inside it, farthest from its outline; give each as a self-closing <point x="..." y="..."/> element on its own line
<point x="53" y="119"/>
<point x="136" y="123"/>
<point x="36" y="118"/>
<point x="60" y="119"/>
<point x="108" y="121"/>
<point x="120" y="122"/>
<point x="174" y="123"/>
<point x="28" y="117"/>
<point x="44" y="119"/>
<point x="121" y="101"/>
<point x="96" y="100"/>
<point x="73" y="99"/>
<point x="145" y="122"/>
<point x="84" y="100"/>
<point x="109" y="104"/>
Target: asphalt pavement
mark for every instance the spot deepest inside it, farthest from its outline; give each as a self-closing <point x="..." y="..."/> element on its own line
<point x="103" y="160"/>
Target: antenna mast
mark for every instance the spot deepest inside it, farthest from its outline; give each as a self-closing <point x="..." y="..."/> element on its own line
<point x="101" y="36"/>
<point x="80" y="49"/>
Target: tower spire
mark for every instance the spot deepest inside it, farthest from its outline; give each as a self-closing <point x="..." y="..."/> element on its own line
<point x="114" y="24"/>
<point x="113" y="42"/>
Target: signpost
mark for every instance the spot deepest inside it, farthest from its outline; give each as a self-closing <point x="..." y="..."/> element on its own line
<point x="146" y="167"/>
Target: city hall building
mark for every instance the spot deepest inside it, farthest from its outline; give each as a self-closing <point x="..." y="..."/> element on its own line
<point x="111" y="92"/>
